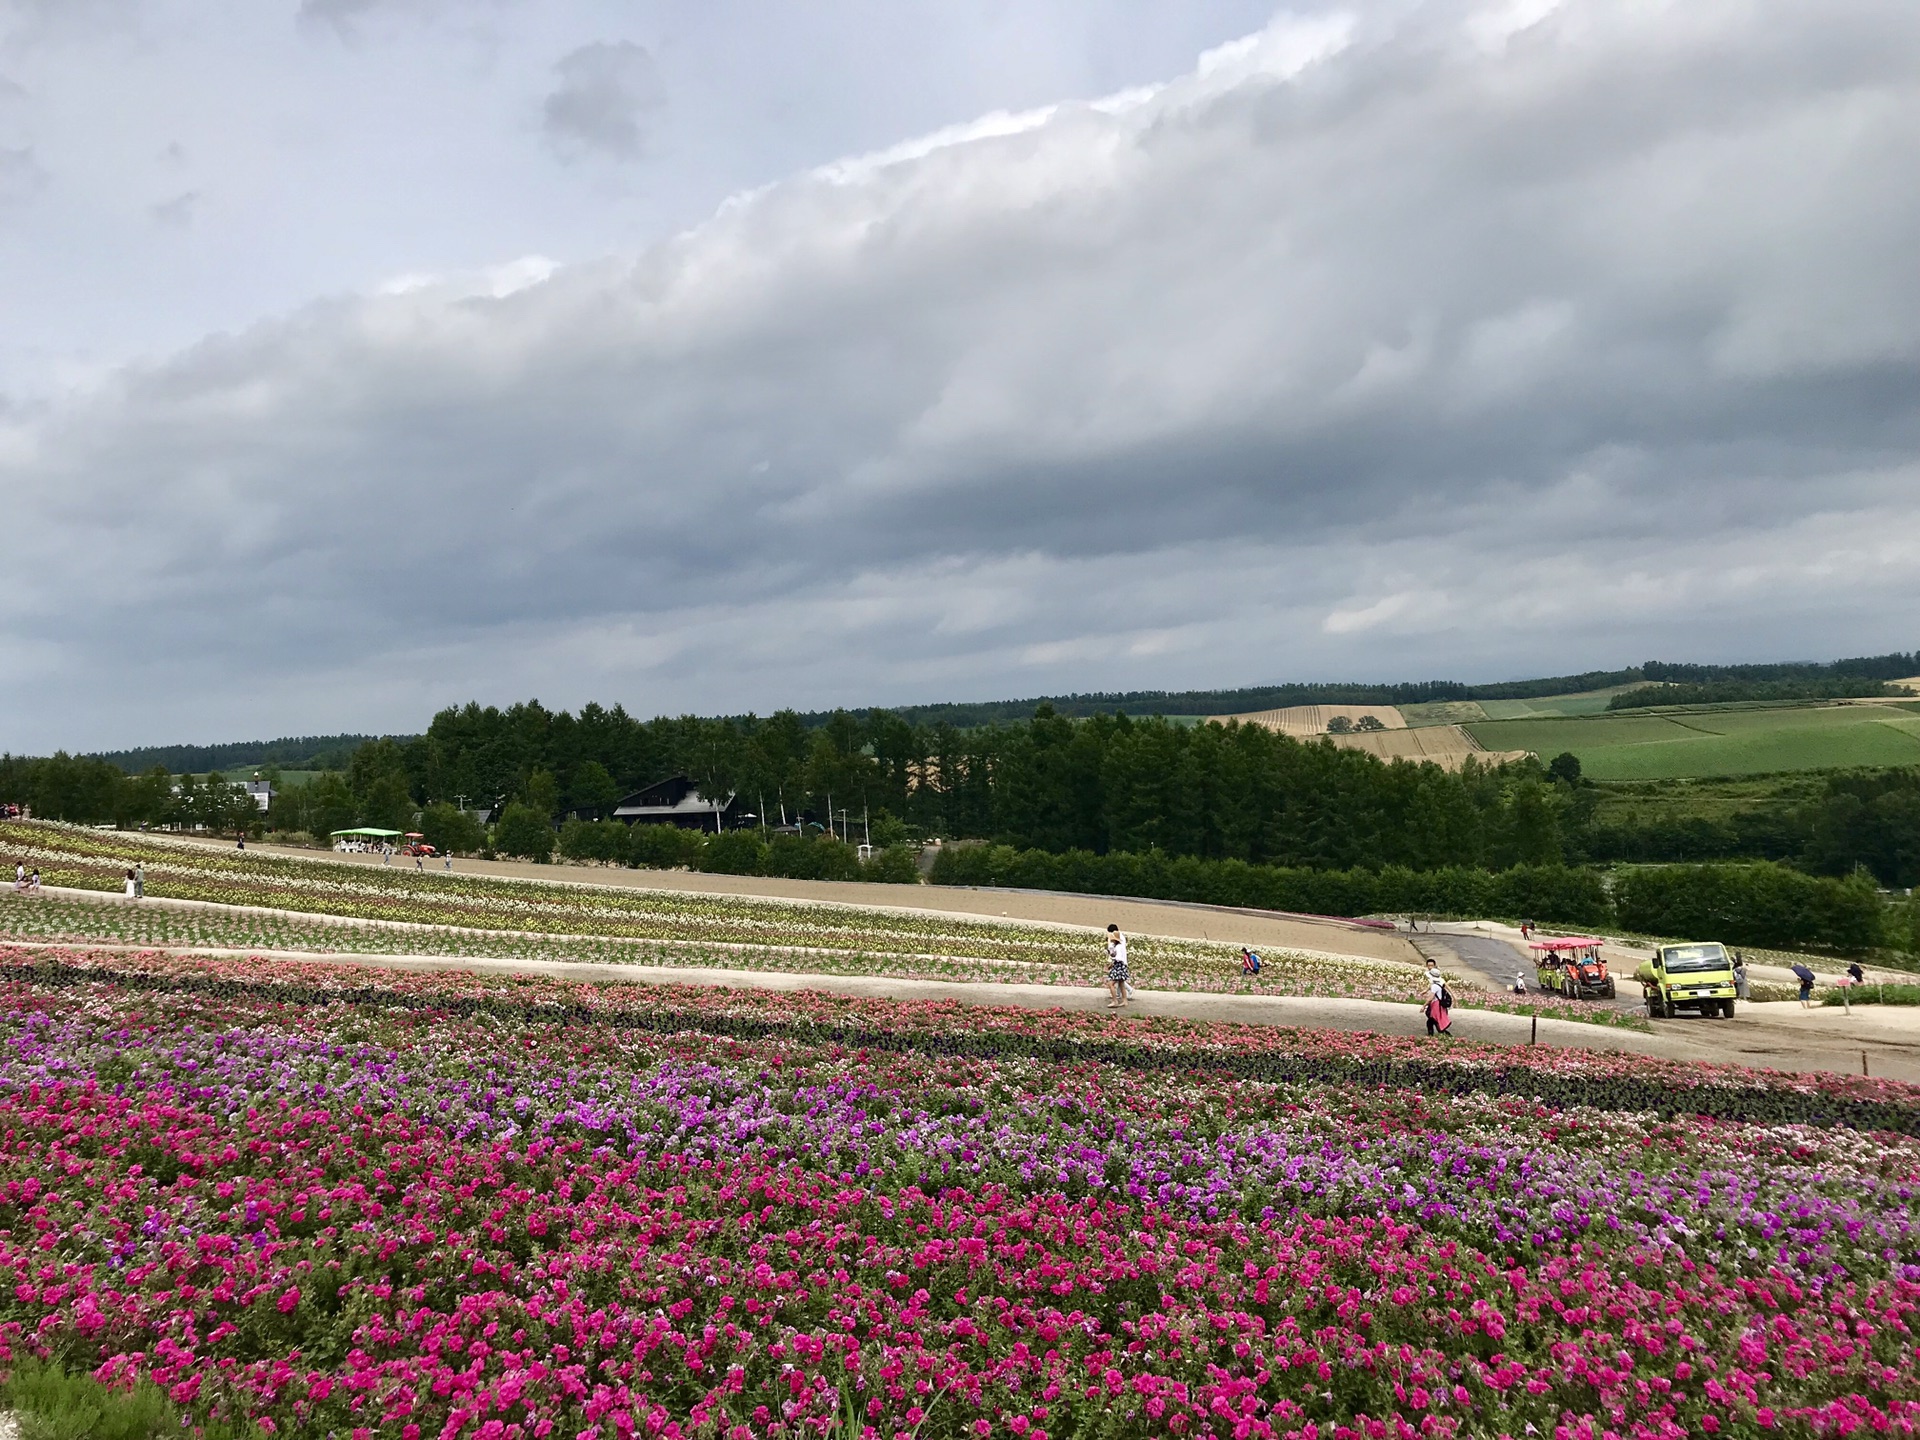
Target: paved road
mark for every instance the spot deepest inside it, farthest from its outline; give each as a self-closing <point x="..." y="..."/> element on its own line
<point x="1497" y="961"/>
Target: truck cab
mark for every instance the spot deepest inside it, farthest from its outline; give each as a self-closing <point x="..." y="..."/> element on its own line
<point x="1697" y="977"/>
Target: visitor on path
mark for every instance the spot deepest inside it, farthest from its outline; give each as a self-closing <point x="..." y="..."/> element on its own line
<point x="19" y="874"/>
<point x="1739" y="975"/>
<point x="1805" y="977"/>
<point x="418" y="862"/>
<point x="129" y="884"/>
<point x="33" y="881"/>
<point x="1118" y="983"/>
<point x="386" y="854"/>
<point x="1439" y="1011"/>
<point x="449" y="860"/>
<point x="241" y="844"/>
<point x="1436" y="982"/>
<point x="1856" y="974"/>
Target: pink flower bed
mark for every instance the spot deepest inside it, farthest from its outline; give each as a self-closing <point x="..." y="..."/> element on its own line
<point x="416" y="1206"/>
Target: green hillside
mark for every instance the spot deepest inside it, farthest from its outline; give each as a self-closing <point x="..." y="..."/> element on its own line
<point x="1700" y="741"/>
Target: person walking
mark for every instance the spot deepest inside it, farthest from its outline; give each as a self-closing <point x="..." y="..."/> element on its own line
<point x="1439" y="1012"/>
<point x="1856" y="974"/>
<point x="1805" y="977"/>
<point x="1740" y="985"/>
<point x="449" y="860"/>
<point x="1117" y="976"/>
<point x="139" y="880"/>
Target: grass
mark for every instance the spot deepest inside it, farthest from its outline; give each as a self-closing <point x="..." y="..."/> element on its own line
<point x="1707" y="741"/>
<point x="1467" y="712"/>
<point x="1871" y="994"/>
<point x="52" y="1403"/>
<point x="1710" y="798"/>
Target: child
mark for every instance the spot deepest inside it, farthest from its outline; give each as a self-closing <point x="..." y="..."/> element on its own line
<point x="1249" y="962"/>
<point x="1117" y="982"/>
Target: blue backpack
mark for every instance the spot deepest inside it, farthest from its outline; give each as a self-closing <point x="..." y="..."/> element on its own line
<point x="1253" y="962"/>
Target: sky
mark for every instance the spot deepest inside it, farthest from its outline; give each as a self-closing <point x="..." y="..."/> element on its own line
<point x="362" y="357"/>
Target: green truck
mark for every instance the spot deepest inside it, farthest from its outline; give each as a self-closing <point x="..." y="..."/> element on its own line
<point x="1695" y="977"/>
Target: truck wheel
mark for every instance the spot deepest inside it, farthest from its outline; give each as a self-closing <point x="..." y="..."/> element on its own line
<point x="1726" y="1009"/>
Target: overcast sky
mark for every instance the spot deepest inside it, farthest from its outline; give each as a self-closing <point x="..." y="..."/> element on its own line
<point x="359" y="357"/>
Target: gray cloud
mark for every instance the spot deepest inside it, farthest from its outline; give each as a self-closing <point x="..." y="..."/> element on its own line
<point x="606" y="93"/>
<point x="1365" y="349"/>
<point x="176" y="213"/>
<point x="21" y="174"/>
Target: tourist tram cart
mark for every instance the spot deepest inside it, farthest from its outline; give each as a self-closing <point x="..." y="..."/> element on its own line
<point x="1573" y="967"/>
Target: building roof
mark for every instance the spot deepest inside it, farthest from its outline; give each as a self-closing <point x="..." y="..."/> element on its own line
<point x="675" y="795"/>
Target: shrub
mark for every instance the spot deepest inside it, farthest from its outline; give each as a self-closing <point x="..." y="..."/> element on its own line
<point x="451" y="831"/>
<point x="1551" y="892"/>
<point x="733" y="852"/>
<point x="893" y="865"/>
<point x="662" y="847"/>
<point x="525" y="833"/>
<point x="797" y="858"/>
<point x="1757" y="904"/>
<point x="605" y="841"/>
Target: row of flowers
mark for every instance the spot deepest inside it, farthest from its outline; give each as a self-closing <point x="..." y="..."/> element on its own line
<point x="444" y="1205"/>
<point x="578" y="922"/>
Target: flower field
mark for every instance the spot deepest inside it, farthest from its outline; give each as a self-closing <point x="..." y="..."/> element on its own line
<point x="341" y="1203"/>
<point x="484" y="916"/>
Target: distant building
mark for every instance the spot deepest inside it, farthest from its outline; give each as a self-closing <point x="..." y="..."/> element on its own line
<point x="677" y="801"/>
<point x="262" y="793"/>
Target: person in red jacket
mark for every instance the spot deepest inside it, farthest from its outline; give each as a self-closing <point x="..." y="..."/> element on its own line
<point x="1439" y="1014"/>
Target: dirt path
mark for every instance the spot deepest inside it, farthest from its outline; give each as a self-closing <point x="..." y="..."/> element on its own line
<point x="1168" y="919"/>
<point x="1779" y="1036"/>
<point x="1365" y="1016"/>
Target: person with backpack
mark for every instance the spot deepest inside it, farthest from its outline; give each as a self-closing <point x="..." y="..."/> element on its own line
<point x="1249" y="962"/>
<point x="1806" y="978"/>
<point x="1439" y="1011"/>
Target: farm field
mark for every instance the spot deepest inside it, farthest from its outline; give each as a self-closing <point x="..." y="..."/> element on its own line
<point x="1465" y="712"/>
<point x="1706" y="741"/>
<point x="324" y="907"/>
<point x="315" y="1201"/>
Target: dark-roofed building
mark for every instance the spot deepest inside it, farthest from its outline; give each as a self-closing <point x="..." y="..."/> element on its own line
<point x="677" y="801"/>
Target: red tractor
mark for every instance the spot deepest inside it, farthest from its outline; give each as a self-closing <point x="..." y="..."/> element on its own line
<point x="1573" y="967"/>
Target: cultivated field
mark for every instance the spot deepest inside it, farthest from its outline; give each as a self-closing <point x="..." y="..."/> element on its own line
<point x="1703" y="741"/>
<point x="1306" y="721"/>
<point x="1448" y="746"/>
<point x="1466" y="712"/>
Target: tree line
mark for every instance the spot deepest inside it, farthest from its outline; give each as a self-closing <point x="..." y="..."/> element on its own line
<point x="1102" y="784"/>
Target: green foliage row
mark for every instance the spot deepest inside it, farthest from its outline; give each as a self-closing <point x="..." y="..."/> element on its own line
<point x="1757" y="904"/>
<point x="1727" y="692"/>
<point x="1544" y="892"/>
<point x="729" y="852"/>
